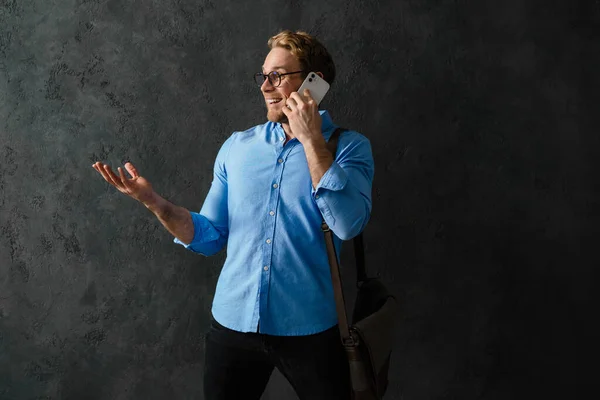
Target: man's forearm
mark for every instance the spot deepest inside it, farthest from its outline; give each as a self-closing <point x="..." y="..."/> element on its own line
<point x="177" y="220"/>
<point x="319" y="159"/>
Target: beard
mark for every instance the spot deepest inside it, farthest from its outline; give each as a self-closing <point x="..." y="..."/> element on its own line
<point x="276" y="116"/>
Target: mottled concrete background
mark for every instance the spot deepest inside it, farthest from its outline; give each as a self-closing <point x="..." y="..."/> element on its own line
<point x="485" y="203"/>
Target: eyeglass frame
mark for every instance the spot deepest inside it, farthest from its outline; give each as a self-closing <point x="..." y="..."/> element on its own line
<point x="266" y="77"/>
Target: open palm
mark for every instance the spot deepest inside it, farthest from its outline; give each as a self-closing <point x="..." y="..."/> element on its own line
<point x="136" y="187"/>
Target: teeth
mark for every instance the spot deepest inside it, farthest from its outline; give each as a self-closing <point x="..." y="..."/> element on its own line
<point x="273" y="101"/>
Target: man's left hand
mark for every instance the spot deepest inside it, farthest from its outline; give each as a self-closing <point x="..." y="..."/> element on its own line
<point x="303" y="115"/>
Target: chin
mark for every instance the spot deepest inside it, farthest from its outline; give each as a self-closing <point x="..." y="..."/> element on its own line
<point x="276" y="116"/>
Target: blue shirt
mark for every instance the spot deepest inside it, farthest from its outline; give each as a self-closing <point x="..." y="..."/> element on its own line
<point x="262" y="204"/>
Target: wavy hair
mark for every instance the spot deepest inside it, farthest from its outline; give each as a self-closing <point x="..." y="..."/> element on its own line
<point x="313" y="56"/>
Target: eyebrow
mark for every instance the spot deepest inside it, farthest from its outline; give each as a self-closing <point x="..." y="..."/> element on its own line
<point x="274" y="68"/>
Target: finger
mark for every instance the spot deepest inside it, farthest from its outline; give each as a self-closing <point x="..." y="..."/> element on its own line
<point x="124" y="179"/>
<point x="132" y="170"/>
<point x="105" y="175"/>
<point x="100" y="168"/>
<point x="113" y="178"/>
<point x="291" y="103"/>
<point x="127" y="176"/>
<point x="308" y="97"/>
<point x="300" y="101"/>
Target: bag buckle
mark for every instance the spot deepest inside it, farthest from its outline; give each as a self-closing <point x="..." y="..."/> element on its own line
<point x="351" y="341"/>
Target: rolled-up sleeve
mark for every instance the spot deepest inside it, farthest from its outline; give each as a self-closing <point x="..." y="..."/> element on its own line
<point x="211" y="223"/>
<point x="344" y="192"/>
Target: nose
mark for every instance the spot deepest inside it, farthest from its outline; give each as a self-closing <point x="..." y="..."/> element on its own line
<point x="267" y="86"/>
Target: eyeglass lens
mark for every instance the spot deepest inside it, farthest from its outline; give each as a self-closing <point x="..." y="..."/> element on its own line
<point x="274" y="78"/>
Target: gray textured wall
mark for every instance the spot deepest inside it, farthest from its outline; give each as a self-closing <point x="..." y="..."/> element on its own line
<point x="485" y="199"/>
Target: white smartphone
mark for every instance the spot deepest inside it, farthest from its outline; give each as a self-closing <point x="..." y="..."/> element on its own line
<point x="318" y="87"/>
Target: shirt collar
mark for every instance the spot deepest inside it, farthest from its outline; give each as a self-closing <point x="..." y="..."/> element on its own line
<point x="327" y="127"/>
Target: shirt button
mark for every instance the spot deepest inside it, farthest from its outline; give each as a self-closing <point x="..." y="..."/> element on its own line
<point x="317" y="196"/>
<point x="271" y="212"/>
<point x="280" y="160"/>
<point x="275" y="186"/>
<point x="269" y="241"/>
<point x="266" y="267"/>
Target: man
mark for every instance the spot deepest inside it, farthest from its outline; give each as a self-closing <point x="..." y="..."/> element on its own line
<point x="273" y="184"/>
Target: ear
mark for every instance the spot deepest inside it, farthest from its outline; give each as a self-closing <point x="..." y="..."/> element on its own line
<point x="320" y="74"/>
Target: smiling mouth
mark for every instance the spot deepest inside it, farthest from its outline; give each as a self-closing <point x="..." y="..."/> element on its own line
<point x="273" y="101"/>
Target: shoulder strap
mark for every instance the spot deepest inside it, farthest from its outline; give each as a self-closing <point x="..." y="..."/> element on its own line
<point x="359" y="250"/>
<point x="348" y="340"/>
<point x="333" y="141"/>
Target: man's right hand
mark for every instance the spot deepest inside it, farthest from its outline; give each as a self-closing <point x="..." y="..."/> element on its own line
<point x="136" y="187"/>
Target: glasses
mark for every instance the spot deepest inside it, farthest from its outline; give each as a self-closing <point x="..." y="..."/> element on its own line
<point x="274" y="77"/>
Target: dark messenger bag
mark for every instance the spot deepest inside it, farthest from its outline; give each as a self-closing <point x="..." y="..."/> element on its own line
<point x="368" y="339"/>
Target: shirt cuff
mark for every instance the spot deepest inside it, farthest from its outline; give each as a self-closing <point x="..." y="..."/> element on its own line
<point x="335" y="178"/>
<point x="204" y="231"/>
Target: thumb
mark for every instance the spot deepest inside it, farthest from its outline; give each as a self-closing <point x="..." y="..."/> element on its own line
<point x="131" y="169"/>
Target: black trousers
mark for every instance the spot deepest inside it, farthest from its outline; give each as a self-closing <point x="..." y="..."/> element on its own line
<point x="238" y="365"/>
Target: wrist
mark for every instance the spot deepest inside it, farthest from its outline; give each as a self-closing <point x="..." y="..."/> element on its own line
<point x="154" y="203"/>
<point x="315" y="144"/>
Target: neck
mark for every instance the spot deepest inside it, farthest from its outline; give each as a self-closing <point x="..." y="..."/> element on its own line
<point x="288" y="131"/>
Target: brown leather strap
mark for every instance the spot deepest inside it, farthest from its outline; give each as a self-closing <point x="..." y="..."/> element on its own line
<point x="336" y="279"/>
<point x="333" y="141"/>
<point x="359" y="250"/>
<point x="338" y="293"/>
<point x="347" y="339"/>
